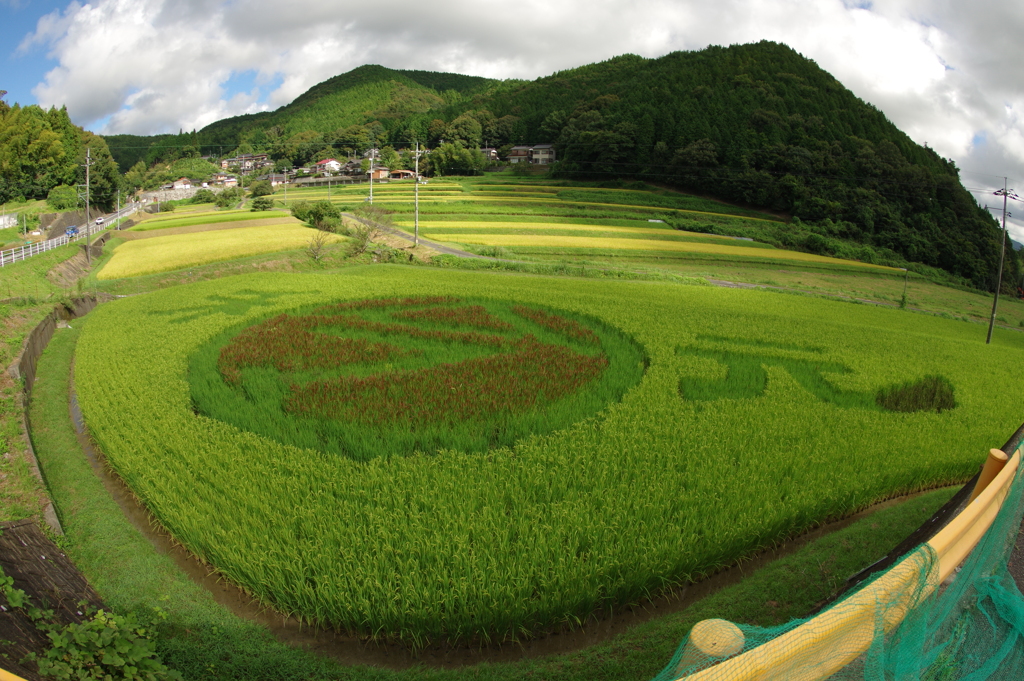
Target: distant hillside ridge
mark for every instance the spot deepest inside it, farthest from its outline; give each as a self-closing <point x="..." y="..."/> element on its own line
<point x="757" y="124"/>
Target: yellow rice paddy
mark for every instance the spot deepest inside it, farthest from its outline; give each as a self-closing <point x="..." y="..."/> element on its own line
<point x="513" y="240"/>
<point x="164" y="253"/>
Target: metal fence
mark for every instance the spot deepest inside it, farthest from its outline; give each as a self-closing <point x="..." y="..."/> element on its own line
<point x="13" y="255"/>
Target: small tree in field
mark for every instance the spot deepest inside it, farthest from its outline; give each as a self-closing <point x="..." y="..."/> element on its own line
<point x="317" y="246"/>
<point x="262" y="203"/>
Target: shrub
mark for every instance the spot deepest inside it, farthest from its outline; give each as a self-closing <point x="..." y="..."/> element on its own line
<point x="204" y="196"/>
<point x="230" y="196"/>
<point x="324" y="215"/>
<point x="261" y="188"/>
<point x="262" y="203"/>
<point x="62" y="197"/>
<point x="300" y="210"/>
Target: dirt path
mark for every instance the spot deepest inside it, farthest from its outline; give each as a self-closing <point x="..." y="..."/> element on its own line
<point x="405" y="236"/>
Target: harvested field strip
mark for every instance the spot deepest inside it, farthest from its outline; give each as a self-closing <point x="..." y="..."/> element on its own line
<point x="541" y="240"/>
<point x="164" y="216"/>
<point x="456" y="220"/>
<point x="207" y="218"/>
<point x="128" y="235"/>
<point x="598" y="233"/>
<point x="453" y="226"/>
<point x="165" y="253"/>
<point x="581" y="231"/>
<point x="530" y="201"/>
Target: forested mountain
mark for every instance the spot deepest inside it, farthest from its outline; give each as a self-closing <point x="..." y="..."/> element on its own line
<point x="356" y="110"/>
<point x="43" y="150"/>
<point x="754" y="124"/>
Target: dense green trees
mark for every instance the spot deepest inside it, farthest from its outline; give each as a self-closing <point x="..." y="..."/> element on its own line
<point x="41" y="150"/>
<point x="455" y="159"/>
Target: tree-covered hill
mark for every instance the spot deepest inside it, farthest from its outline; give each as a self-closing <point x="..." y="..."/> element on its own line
<point x="761" y="125"/>
<point x="42" y="151"/>
<point x="362" y="105"/>
<point x="758" y="125"/>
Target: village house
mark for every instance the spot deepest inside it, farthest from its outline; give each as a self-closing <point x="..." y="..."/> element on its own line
<point x="380" y="173"/>
<point x="246" y="162"/>
<point x="182" y="183"/>
<point x="402" y="174"/>
<point x="541" y="154"/>
<point x="519" y="154"/>
<point x="328" y="165"/>
<point x="490" y="153"/>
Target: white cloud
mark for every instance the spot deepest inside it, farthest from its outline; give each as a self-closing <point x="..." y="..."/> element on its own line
<point x="942" y="70"/>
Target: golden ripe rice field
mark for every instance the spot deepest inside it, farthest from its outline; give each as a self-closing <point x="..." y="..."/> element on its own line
<point x="545" y="241"/>
<point x="164" y="253"/>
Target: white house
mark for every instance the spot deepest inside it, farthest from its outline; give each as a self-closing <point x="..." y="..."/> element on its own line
<point x="328" y="165"/>
<point x="182" y="183"/>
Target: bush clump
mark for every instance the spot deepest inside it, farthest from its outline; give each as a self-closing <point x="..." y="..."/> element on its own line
<point x="323" y="215"/>
<point x="262" y="203"/>
<point x="204" y="196"/>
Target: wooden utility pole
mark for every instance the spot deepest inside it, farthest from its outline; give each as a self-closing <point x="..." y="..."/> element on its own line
<point x="88" y="221"/>
<point x="1002" y="256"/>
<point x="372" y="154"/>
<point x="416" y="232"/>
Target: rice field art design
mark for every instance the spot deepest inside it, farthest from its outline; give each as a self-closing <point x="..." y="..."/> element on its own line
<point x="746" y="376"/>
<point x="452" y="519"/>
<point x="395" y="376"/>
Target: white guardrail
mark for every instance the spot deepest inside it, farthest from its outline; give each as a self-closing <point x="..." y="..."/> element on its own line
<point x="13" y="255"/>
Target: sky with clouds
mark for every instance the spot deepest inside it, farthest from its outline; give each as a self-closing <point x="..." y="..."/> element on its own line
<point x="945" y="71"/>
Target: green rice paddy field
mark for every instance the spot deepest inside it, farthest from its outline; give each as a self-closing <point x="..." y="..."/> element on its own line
<point x="634" y="436"/>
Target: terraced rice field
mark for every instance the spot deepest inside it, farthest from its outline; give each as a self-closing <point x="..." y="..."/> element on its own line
<point x="740" y="419"/>
<point x="164" y="253"/>
<point x="542" y="221"/>
<point x="171" y="220"/>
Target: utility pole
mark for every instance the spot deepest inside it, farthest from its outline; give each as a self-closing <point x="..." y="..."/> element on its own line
<point x="88" y="222"/>
<point x="416" y="233"/>
<point x="1005" y="193"/>
<point x="372" y="154"/>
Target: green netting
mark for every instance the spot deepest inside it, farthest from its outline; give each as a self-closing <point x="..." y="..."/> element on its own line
<point x="969" y="628"/>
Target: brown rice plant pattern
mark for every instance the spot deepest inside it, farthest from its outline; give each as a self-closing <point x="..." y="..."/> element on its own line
<point x="379" y="377"/>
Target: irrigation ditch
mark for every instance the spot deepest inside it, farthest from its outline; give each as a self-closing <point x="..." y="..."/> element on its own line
<point x="340" y="646"/>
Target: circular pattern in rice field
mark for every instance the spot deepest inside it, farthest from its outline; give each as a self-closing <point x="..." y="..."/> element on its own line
<point x="395" y="376"/>
<point x="744" y="418"/>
